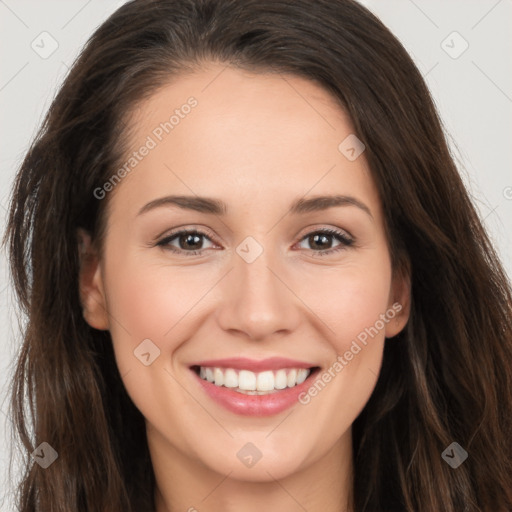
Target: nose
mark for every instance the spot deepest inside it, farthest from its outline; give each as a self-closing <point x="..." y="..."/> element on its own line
<point x="258" y="299"/>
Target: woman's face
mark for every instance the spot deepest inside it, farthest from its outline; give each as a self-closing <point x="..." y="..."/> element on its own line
<point x="258" y="279"/>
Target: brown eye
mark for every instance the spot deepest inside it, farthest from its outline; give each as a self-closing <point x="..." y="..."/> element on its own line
<point x="189" y="242"/>
<point x="321" y="241"/>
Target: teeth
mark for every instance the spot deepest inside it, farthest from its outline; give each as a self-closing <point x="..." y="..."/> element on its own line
<point x="246" y="380"/>
<point x="280" y="379"/>
<point x="292" y="378"/>
<point x="230" y="378"/>
<point x="209" y="375"/>
<point x="265" y="381"/>
<point x="302" y="375"/>
<point x="250" y="383"/>
<point x="218" y="376"/>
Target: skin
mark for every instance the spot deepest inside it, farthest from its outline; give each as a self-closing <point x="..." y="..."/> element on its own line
<point x="257" y="142"/>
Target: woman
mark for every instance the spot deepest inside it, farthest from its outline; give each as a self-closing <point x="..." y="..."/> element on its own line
<point x="260" y="368"/>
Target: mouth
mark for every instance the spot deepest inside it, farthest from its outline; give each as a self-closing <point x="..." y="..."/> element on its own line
<point x="248" y="382"/>
<point x="266" y="389"/>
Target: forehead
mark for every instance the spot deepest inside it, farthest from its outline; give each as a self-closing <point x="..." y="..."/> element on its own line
<point x="225" y="132"/>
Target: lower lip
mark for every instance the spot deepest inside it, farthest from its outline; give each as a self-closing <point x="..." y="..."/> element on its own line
<point x="255" y="405"/>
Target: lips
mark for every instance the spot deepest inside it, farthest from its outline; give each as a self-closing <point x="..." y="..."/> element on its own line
<point x="251" y="387"/>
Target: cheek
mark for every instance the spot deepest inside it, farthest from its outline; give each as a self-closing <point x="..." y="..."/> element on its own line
<point x="351" y="303"/>
<point x="157" y="302"/>
<point x="150" y="302"/>
<point x="349" y="300"/>
<point x="358" y="308"/>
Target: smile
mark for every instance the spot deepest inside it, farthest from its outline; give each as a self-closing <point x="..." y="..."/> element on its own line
<point x="253" y="388"/>
<point x="251" y="383"/>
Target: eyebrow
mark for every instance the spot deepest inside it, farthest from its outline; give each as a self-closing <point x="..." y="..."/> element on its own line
<point x="218" y="207"/>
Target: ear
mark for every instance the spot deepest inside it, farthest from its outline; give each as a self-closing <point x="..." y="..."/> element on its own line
<point x="399" y="299"/>
<point x="92" y="295"/>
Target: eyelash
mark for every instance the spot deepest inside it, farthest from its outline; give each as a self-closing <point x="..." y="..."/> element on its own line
<point x="344" y="240"/>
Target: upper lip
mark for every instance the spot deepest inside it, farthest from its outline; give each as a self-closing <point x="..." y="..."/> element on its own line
<point x="254" y="365"/>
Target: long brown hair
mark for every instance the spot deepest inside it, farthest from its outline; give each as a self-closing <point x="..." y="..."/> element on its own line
<point x="446" y="378"/>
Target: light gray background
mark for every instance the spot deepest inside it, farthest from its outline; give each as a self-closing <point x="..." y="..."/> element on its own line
<point x="473" y="93"/>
